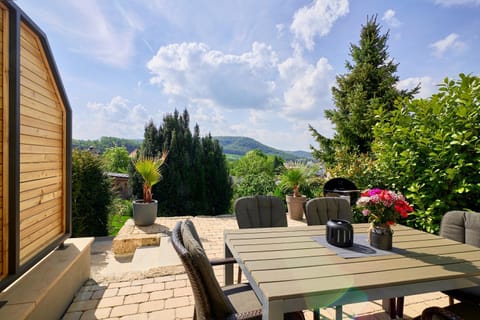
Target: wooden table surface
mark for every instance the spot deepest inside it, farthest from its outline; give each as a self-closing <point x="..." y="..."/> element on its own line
<point x="290" y="271"/>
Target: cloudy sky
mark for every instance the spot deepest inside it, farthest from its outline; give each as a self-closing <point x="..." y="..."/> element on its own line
<point x="262" y="69"/>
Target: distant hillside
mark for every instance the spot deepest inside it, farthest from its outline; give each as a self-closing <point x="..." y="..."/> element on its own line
<point x="241" y="145"/>
<point x="234" y="147"/>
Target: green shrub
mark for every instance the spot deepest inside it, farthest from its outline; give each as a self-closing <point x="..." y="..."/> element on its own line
<point x="91" y="195"/>
<point x="429" y="149"/>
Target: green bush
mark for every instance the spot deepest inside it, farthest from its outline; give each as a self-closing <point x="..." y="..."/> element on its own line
<point x="254" y="184"/>
<point x="91" y="195"/>
<point x="429" y="149"/>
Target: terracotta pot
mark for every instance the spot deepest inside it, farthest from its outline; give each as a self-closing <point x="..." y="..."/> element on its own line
<point x="381" y="238"/>
<point x="296" y="206"/>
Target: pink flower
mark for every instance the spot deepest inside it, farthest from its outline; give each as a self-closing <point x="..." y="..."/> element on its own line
<point x="383" y="207"/>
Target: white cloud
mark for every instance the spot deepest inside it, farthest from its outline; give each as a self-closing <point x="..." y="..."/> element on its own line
<point x="117" y="117"/>
<point x="427" y="85"/>
<point x="451" y="3"/>
<point x="390" y="18"/>
<point x="315" y="20"/>
<point x="449" y="43"/>
<point x="307" y="86"/>
<point x="194" y="72"/>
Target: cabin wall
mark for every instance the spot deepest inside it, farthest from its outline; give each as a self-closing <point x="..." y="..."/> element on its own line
<point x="35" y="151"/>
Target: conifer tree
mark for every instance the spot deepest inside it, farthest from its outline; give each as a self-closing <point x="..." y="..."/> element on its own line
<point x="195" y="177"/>
<point x="368" y="88"/>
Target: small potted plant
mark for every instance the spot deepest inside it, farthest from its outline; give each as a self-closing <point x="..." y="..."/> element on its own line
<point x="149" y="168"/>
<point x="383" y="208"/>
<point x="291" y="180"/>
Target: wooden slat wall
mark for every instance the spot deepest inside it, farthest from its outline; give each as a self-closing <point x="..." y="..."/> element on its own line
<point x="42" y="150"/>
<point x="3" y="109"/>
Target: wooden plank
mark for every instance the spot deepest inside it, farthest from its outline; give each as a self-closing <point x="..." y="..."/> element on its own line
<point x="34" y="122"/>
<point x="42" y="224"/>
<point x="32" y="202"/>
<point x="39" y="141"/>
<point x="33" y="131"/>
<point x="35" y="184"/>
<point x="278" y="273"/>
<point x="43" y="115"/>
<point x="29" y="216"/>
<point x="32" y="244"/>
<point x="27" y="167"/>
<point x="34" y="193"/>
<point x="378" y="279"/>
<point x="26" y="148"/>
<point x="44" y="90"/>
<point x="38" y="157"/>
<point x="40" y="174"/>
<point x="27" y="92"/>
<point x="47" y="105"/>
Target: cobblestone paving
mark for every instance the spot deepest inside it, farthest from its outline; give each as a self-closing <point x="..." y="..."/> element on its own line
<point x="170" y="296"/>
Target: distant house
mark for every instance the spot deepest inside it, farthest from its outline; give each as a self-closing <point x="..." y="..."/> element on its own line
<point x="120" y="184"/>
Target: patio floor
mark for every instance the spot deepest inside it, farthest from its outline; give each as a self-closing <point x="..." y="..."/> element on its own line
<point x="119" y="289"/>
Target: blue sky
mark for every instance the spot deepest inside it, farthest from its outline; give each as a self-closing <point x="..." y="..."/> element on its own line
<point x="262" y="69"/>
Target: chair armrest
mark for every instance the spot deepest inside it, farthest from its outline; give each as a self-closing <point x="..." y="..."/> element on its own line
<point x="222" y="261"/>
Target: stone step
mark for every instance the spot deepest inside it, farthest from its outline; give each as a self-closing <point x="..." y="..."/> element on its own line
<point x="150" y="257"/>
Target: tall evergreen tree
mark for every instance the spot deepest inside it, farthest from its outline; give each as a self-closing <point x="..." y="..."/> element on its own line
<point x="368" y="88"/>
<point x="195" y="177"/>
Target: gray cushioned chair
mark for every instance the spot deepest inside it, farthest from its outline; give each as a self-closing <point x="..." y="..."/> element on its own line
<point x="260" y="212"/>
<point x="462" y="226"/>
<point x="212" y="301"/>
<point x="320" y="210"/>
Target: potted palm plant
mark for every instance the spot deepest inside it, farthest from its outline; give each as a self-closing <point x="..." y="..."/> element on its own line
<point x="145" y="210"/>
<point x="291" y="180"/>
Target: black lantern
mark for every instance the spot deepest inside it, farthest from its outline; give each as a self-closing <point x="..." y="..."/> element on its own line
<point x="339" y="233"/>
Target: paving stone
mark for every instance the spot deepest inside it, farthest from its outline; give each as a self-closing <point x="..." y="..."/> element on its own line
<point x="124" y="310"/>
<point x="163" y="314"/>
<point x="137" y="298"/>
<point x="129" y="290"/>
<point x="163" y="294"/>
<point x="175" y="284"/>
<point x="111" y="302"/>
<point x="151" y="287"/>
<point x="177" y="302"/>
<point x="83" y="305"/>
<point x="150" y="306"/>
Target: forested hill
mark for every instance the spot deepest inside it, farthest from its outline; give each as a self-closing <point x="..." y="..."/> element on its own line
<point x="234" y="146"/>
<point x="241" y="145"/>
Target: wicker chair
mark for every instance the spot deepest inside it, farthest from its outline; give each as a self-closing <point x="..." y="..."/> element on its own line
<point x="320" y="210"/>
<point x="212" y="301"/>
<point x="459" y="311"/>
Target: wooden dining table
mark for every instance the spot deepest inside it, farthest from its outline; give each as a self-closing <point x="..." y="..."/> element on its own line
<point x="290" y="271"/>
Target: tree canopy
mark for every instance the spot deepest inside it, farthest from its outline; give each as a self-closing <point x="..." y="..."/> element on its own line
<point x="368" y="88"/>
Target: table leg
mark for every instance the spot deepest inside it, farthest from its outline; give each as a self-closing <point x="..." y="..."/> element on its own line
<point x="228" y="268"/>
<point x="338" y="313"/>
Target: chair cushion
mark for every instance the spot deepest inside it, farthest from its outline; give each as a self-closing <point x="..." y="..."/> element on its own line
<point x="242" y="297"/>
<point x="220" y="307"/>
